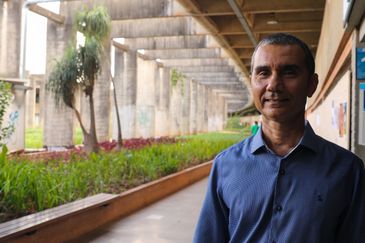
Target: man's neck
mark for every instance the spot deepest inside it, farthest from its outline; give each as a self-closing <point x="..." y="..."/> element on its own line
<point x="280" y="137"/>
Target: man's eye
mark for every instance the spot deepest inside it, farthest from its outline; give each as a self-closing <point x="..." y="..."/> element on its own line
<point x="289" y="72"/>
<point x="263" y="73"/>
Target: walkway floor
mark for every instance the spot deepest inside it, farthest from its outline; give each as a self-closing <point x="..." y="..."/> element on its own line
<point x="171" y="220"/>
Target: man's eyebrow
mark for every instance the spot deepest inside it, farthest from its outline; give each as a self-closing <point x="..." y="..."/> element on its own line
<point x="289" y="66"/>
<point x="258" y="68"/>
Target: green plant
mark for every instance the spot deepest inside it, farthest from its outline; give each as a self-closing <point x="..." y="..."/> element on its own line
<point x="30" y="186"/>
<point x="177" y="78"/>
<point x="5" y="97"/>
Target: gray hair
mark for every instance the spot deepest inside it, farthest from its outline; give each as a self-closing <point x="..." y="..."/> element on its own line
<point x="287" y="39"/>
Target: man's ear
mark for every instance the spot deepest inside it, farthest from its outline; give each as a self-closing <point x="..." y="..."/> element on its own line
<point x="312" y="85"/>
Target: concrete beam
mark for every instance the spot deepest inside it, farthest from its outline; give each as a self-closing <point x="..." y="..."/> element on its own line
<point x="195" y="62"/>
<point x="46" y="13"/>
<point x="208" y="69"/>
<point x="209" y="75"/>
<point x="152" y="27"/>
<point x="184" y="53"/>
<point x="171" y="42"/>
<point x="217" y="79"/>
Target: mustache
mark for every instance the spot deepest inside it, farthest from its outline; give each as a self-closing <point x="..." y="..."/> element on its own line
<point x="275" y="96"/>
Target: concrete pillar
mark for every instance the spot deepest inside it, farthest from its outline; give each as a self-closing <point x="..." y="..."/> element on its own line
<point x="30" y="103"/>
<point x="200" y="108"/>
<point x="58" y="121"/>
<point x="118" y="81"/>
<point x="145" y="105"/>
<point x="185" y="112"/>
<point x="162" y="101"/>
<point x="175" y="109"/>
<point x="102" y="97"/>
<point x="10" y="26"/>
<point x="206" y="109"/>
<point x="211" y="110"/>
<point x="129" y="94"/>
<point x="193" y="106"/>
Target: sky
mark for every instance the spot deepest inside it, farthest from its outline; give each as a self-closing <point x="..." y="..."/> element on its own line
<point x="35" y="61"/>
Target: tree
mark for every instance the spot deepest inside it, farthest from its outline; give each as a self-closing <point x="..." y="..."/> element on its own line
<point x="79" y="67"/>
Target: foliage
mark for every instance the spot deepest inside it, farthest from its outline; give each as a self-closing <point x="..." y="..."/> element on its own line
<point x="93" y="24"/>
<point x="234" y="123"/>
<point x="176" y="77"/>
<point x="29" y="186"/>
<point x="5" y="97"/>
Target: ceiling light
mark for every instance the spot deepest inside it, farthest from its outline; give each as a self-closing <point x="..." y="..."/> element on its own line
<point x="272" y="19"/>
<point x="270" y="22"/>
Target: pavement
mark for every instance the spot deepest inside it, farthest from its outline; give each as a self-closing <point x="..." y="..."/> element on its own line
<point x="170" y="220"/>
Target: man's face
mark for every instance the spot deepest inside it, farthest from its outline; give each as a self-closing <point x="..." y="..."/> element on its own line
<point x="281" y="82"/>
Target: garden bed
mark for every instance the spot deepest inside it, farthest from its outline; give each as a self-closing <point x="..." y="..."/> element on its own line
<point x="31" y="184"/>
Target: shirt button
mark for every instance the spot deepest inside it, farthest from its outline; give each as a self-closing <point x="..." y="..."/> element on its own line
<point x="282" y="171"/>
<point x="278" y="208"/>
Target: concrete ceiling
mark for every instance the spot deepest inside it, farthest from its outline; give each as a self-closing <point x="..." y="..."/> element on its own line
<point x="226" y="20"/>
<point x="235" y="25"/>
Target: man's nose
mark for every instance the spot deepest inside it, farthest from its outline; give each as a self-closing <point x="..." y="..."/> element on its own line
<point x="274" y="83"/>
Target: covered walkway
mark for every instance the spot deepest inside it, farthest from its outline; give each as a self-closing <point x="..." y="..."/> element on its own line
<point x="171" y="220"/>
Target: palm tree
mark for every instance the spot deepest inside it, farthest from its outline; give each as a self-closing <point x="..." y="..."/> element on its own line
<point x="79" y="67"/>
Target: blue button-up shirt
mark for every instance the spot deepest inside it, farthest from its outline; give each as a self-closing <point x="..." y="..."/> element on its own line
<point x="315" y="194"/>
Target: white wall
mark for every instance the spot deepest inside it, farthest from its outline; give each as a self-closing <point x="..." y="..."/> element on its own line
<point x="334" y="114"/>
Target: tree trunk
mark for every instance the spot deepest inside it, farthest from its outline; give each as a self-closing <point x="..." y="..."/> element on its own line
<point x="92" y="144"/>
<point x="120" y="140"/>
<point x="88" y="140"/>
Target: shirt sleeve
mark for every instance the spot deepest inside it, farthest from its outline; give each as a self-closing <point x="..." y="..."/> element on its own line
<point x="352" y="229"/>
<point x="212" y="225"/>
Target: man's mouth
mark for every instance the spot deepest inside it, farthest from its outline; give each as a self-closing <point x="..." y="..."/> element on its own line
<point x="276" y="102"/>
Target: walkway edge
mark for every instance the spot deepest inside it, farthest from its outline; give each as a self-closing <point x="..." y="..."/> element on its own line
<point x="86" y="220"/>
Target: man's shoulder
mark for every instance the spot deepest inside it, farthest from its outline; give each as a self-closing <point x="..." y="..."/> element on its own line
<point x="234" y="152"/>
<point x="333" y="150"/>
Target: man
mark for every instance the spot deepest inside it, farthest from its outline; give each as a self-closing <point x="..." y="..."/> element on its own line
<point x="285" y="184"/>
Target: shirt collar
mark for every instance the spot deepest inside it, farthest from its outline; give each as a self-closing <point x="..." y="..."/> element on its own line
<point x="309" y="140"/>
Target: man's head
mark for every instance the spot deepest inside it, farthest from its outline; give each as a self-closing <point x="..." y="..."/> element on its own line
<point x="282" y="77"/>
<point x="287" y="39"/>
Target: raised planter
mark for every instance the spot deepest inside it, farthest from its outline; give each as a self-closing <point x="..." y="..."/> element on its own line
<point x="72" y="220"/>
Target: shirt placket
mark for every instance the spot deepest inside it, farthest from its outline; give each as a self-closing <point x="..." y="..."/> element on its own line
<point x="278" y="208"/>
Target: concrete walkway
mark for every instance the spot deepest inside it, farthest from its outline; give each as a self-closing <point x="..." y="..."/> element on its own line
<point x="171" y="220"/>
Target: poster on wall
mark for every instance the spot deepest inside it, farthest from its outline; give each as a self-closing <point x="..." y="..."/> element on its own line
<point x="360" y="63"/>
<point x="338" y="117"/>
<point x="342" y="119"/>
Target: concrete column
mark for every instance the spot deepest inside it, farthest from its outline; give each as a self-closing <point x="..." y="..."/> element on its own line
<point x="200" y="107"/>
<point x="221" y="113"/>
<point x="185" y="113"/>
<point x="118" y="81"/>
<point x="30" y="103"/>
<point x="211" y="110"/>
<point x="102" y="97"/>
<point x="193" y="106"/>
<point x="206" y="109"/>
<point x="58" y="120"/>
<point x="10" y="25"/>
<point x="176" y="108"/>
<point x="129" y="94"/>
<point x="162" y="101"/>
<point x="145" y="109"/>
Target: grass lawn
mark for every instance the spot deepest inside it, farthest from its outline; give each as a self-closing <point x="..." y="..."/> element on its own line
<point x="34" y="137"/>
